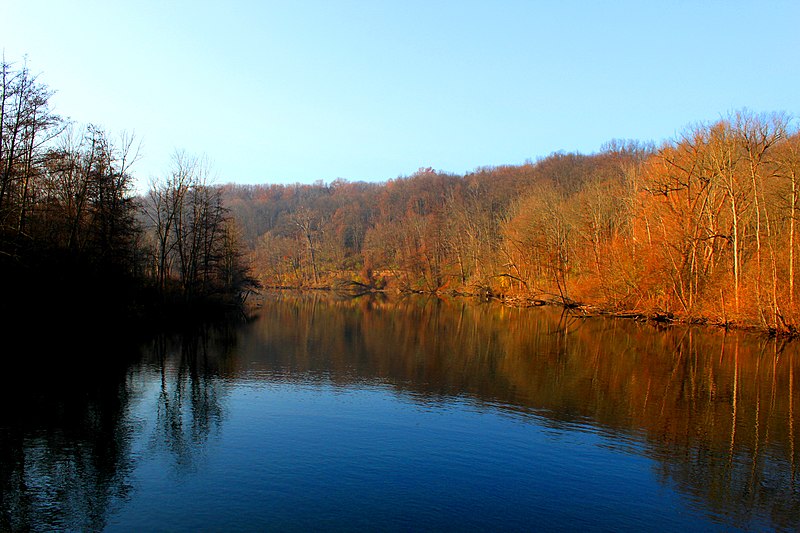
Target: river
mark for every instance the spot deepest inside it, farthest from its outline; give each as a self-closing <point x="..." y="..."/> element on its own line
<point x="417" y="414"/>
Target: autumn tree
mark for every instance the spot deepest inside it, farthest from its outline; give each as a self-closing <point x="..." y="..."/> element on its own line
<point x="788" y="171"/>
<point x="757" y="137"/>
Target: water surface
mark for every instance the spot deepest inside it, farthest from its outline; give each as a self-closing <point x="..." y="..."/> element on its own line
<point x="419" y="414"/>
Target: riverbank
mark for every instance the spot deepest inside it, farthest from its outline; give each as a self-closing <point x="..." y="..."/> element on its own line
<point x="658" y="317"/>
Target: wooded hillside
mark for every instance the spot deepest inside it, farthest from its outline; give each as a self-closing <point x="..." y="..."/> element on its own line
<point x="702" y="227"/>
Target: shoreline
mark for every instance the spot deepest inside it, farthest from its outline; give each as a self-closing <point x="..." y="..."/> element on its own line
<point x="578" y="309"/>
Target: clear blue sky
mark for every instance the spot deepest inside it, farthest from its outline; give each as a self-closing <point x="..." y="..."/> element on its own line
<point x="296" y="91"/>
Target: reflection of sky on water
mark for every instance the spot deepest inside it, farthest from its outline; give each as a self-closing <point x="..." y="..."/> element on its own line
<point x="296" y="455"/>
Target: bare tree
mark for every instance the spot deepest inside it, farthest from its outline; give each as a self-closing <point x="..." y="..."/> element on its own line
<point x="308" y="224"/>
<point x="164" y="208"/>
<point x="26" y="126"/>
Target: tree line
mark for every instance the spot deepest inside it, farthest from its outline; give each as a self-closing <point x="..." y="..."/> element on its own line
<point x="702" y="227"/>
<point x="76" y="239"/>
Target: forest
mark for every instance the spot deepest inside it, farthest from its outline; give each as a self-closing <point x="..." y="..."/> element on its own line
<point x="76" y="242"/>
<point x="699" y="229"/>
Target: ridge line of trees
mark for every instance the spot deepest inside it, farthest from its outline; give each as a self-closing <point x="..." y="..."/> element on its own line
<point x="702" y="228"/>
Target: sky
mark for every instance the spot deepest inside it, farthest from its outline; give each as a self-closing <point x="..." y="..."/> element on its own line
<point x="303" y="90"/>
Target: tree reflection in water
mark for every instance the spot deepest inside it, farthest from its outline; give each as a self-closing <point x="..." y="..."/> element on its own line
<point x="64" y="440"/>
<point x="66" y="429"/>
<point x="715" y="411"/>
<point x="189" y="404"/>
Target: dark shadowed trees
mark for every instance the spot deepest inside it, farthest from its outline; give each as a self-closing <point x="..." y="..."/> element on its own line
<point x="76" y="239"/>
<point x="194" y="243"/>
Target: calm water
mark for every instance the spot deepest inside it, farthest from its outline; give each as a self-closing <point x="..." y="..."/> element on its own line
<point x="333" y="414"/>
